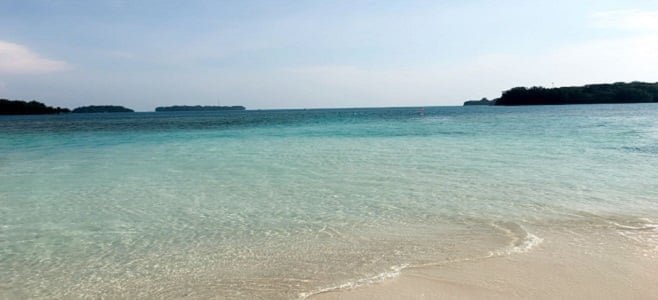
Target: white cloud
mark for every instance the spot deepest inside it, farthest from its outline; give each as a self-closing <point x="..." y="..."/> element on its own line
<point x="18" y="59"/>
<point x="633" y="19"/>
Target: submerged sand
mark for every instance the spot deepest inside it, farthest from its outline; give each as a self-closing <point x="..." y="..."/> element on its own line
<point x="602" y="264"/>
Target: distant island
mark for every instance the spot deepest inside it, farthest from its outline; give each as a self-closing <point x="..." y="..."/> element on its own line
<point x="483" y="101"/>
<point x="102" y="109"/>
<point x="620" y="92"/>
<point x="197" y="108"/>
<point x="20" y="107"/>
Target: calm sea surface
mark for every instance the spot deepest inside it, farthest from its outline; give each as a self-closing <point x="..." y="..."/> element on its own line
<point x="284" y="204"/>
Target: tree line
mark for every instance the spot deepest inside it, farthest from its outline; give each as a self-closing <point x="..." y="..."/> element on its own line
<point x="633" y="92"/>
<point x="20" y="107"/>
<point x="197" y="108"/>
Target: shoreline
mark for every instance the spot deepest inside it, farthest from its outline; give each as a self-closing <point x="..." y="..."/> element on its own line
<point x="521" y="241"/>
<point x="605" y="265"/>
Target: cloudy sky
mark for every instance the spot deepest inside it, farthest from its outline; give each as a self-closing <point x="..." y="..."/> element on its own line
<point x="282" y="54"/>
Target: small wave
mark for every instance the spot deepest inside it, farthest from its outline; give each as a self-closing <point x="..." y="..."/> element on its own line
<point x="529" y="242"/>
<point x="643" y="227"/>
<point x="392" y="273"/>
<point x="645" y="234"/>
<point x="522" y="240"/>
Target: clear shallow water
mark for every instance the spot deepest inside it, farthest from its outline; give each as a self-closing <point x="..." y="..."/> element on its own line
<point x="282" y="204"/>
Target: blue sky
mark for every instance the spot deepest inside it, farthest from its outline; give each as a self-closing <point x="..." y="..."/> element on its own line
<point x="281" y="54"/>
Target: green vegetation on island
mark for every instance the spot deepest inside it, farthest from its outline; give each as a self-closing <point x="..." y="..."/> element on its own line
<point x="620" y="92"/>
<point x="102" y="109"/>
<point x="20" y="107"/>
<point x="197" y="108"/>
<point x="483" y="101"/>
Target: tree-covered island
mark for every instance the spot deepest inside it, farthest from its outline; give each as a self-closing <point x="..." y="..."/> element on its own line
<point x="620" y="92"/>
<point x="20" y="107"/>
<point x="102" y="109"/>
<point x="483" y="101"/>
<point x="197" y="108"/>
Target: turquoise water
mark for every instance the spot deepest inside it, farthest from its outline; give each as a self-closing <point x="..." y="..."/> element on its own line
<point x="284" y="204"/>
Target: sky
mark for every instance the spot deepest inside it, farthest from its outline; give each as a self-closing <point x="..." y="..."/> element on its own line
<point x="312" y="54"/>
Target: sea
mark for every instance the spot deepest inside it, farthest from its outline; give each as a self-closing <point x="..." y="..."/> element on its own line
<point x="285" y="204"/>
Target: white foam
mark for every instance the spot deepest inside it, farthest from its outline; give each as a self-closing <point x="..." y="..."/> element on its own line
<point x="529" y="242"/>
<point x="645" y="235"/>
<point x="519" y="244"/>
<point x="392" y="273"/>
<point x="647" y="226"/>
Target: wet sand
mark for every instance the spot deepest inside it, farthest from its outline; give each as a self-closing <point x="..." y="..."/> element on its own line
<point x="572" y="265"/>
